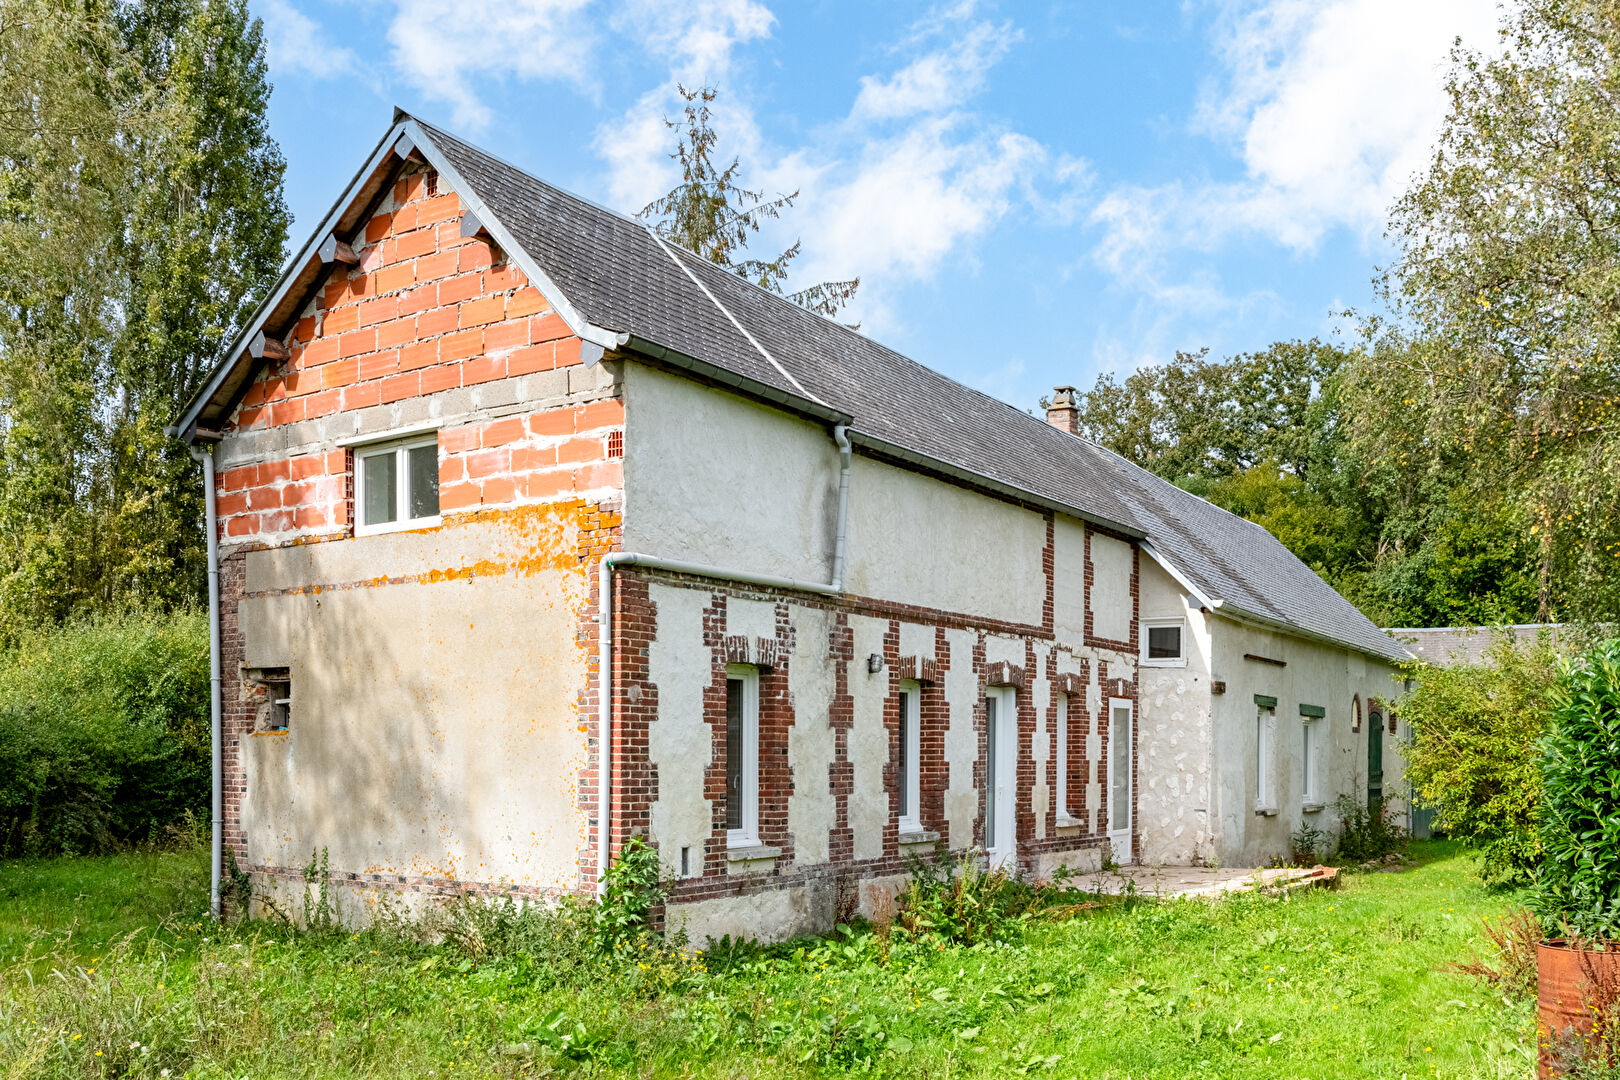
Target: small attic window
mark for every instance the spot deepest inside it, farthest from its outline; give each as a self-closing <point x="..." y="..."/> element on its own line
<point x="430" y="184"/>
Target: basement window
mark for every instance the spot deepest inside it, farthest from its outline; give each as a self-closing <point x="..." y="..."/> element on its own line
<point x="396" y="484"/>
<point x="272" y="688"/>
<point x="1163" y="643"/>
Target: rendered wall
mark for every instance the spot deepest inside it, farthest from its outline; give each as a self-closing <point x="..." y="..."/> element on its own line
<point x="1316" y="674"/>
<point x="713" y="478"/>
<point x="950" y="587"/>
<point x="1174" y="742"/>
<point x="416" y="748"/>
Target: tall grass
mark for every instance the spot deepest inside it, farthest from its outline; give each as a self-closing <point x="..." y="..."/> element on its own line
<point x="103" y="733"/>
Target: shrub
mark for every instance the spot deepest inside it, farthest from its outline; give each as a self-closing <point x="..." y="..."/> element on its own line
<point x="1511" y="967"/>
<point x="103" y="733"/>
<point x="1579" y="881"/>
<point x="1309" y="844"/>
<point x="1474" y="727"/>
<point x="960" y="902"/>
<point x="1366" y="833"/>
<point x="631" y="891"/>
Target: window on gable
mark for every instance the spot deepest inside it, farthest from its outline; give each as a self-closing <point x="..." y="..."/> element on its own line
<point x="1164" y="642"/>
<point x="742" y="756"/>
<point x="910" y="747"/>
<point x="397" y="484"/>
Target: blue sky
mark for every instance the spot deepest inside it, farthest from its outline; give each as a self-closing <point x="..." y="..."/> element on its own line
<point x="1032" y="193"/>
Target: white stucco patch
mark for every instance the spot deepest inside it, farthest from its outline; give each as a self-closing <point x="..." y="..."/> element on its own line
<point x="810" y="740"/>
<point x="868" y="740"/>
<point x="1000" y="649"/>
<point x="1069" y="580"/>
<point x="680" y="744"/>
<point x="1111" y="607"/>
<point x="1040" y="794"/>
<point x="916" y="640"/>
<point x="753" y="619"/>
<point x="961" y="740"/>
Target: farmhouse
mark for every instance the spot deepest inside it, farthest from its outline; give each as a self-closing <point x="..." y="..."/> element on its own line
<point x="536" y="533"/>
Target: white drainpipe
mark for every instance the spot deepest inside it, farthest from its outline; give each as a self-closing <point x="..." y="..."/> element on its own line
<point x="604" y="636"/>
<point x="214" y="695"/>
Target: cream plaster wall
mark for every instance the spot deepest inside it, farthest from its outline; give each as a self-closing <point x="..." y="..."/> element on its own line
<point x="1316" y="674"/>
<point x="414" y="747"/>
<point x="1111" y="607"/>
<point x="716" y="479"/>
<point x="812" y="682"/>
<point x="680" y="739"/>
<point x="962" y="692"/>
<point x="868" y="740"/>
<point x="712" y="478"/>
<point x="1069" y="580"/>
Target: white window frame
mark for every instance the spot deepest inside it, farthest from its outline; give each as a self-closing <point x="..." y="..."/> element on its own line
<point x="1265" y="722"/>
<point x="1064" y="818"/>
<point x="401" y="448"/>
<point x="911" y="775"/>
<point x="1179" y="661"/>
<point x="748" y="835"/>
<point x="1310" y="754"/>
<point x="1120" y="757"/>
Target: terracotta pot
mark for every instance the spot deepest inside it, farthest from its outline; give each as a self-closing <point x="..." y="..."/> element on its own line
<point x="1564" y="1009"/>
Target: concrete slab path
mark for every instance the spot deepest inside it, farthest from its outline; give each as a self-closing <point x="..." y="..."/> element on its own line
<point x="1172" y="881"/>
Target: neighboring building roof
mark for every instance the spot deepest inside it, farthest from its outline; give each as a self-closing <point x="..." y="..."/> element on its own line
<point x="1445" y="645"/>
<point x="620" y="286"/>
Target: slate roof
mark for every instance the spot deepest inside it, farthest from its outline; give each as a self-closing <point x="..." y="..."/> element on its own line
<point x="1447" y="645"/>
<point x="654" y="298"/>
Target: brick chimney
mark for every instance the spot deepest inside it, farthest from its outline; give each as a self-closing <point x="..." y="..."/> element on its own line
<point x="1062" y="412"/>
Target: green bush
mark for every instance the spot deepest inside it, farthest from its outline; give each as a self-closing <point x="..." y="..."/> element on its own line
<point x="1474" y="729"/>
<point x="103" y="733"/>
<point x="960" y="902"/>
<point x="1578" y="886"/>
<point x="1366" y="832"/>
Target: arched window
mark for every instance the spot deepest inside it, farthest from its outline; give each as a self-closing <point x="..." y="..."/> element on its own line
<point x="1355" y="713"/>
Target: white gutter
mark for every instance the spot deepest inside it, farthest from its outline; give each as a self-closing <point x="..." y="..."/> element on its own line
<point x="604" y="635"/>
<point x="206" y="457"/>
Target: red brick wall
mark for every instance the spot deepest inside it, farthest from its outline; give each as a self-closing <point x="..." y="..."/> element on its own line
<point x="425" y="310"/>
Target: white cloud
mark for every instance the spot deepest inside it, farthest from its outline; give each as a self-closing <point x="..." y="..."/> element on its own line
<point x="1330" y="108"/>
<point x="295" y="43"/>
<point x="697" y="39"/>
<point x="939" y="79"/>
<point x="440" y="47"/>
<point x="1335" y="105"/>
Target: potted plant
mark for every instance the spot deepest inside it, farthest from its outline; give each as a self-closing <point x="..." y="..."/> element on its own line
<point x="1577" y="892"/>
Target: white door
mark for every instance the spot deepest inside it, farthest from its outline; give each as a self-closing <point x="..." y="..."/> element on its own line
<point x="1001" y="775"/>
<point x="1119" y="779"/>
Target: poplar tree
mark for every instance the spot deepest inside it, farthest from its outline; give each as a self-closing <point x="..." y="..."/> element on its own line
<point x="140" y="217"/>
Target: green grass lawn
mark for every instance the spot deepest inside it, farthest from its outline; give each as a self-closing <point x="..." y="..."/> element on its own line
<point x="107" y="968"/>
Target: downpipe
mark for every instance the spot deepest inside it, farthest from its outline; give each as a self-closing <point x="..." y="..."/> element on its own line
<point x="604" y="635"/>
<point x="206" y="458"/>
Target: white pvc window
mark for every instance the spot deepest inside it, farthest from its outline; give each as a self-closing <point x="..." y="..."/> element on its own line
<point x="1119" y="767"/>
<point x="396" y="484"/>
<point x="910" y="752"/>
<point x="1164" y="642"/>
<point x="1263" y="756"/>
<point x="1310" y="752"/>
<point x="742" y="756"/>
